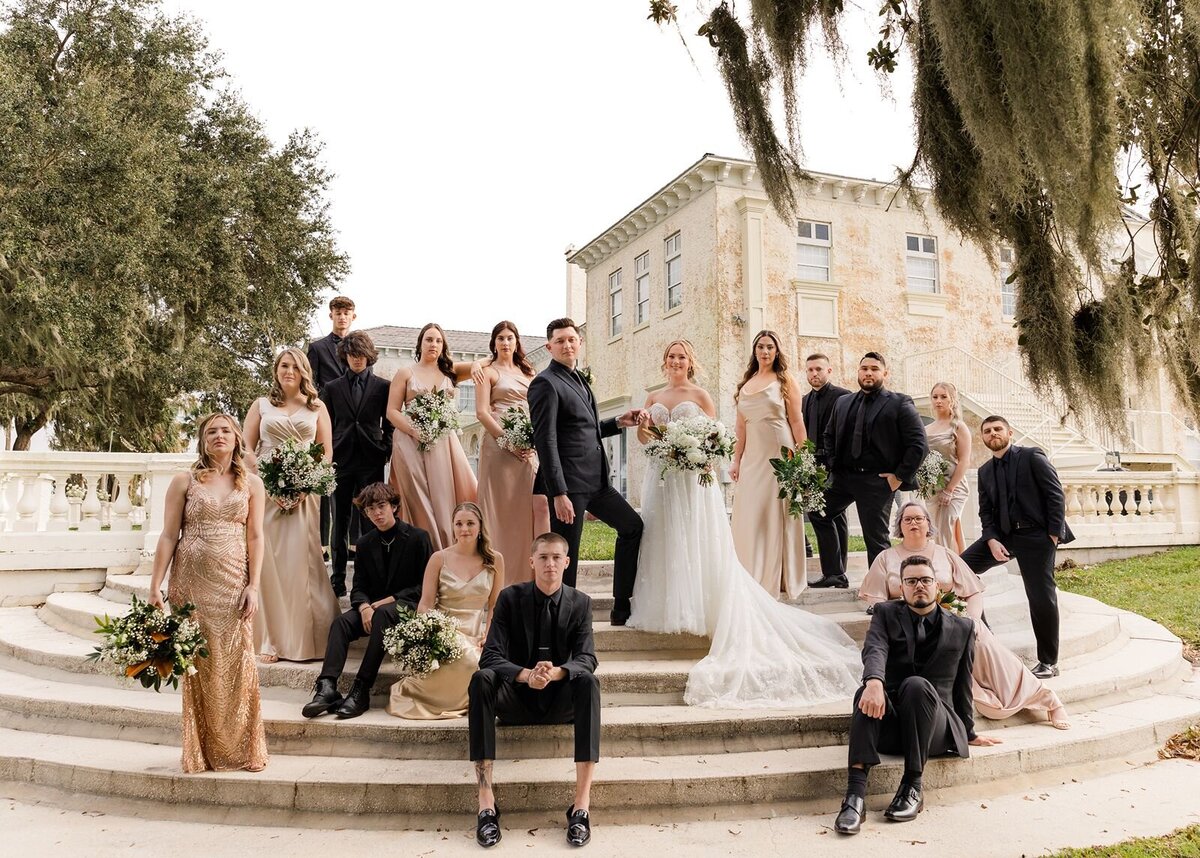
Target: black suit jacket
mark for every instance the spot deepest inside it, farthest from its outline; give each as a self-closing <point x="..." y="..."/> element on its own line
<point x="324" y="360"/>
<point x="888" y="655"/>
<point x="567" y="431"/>
<point x="825" y="399"/>
<point x="1037" y="492"/>
<point x="892" y="427"/>
<point x="509" y="646"/>
<point x="404" y="574"/>
<point x="362" y="435"/>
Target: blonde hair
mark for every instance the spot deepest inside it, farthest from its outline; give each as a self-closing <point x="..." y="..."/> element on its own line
<point x="952" y="393"/>
<point x="203" y="467"/>
<point x="307" y="389"/>
<point x="482" y="544"/>
<point x="694" y="367"/>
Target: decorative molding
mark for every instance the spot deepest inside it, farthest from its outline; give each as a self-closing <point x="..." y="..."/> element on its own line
<point x="927" y="303"/>
<point x="619" y="404"/>
<point x="749" y="203"/>
<point x="818" y="306"/>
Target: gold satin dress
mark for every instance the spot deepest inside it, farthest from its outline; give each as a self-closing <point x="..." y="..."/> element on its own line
<point x="944" y="517"/>
<point x="506" y="485"/>
<point x="222" y="718"/>
<point x="443" y="693"/>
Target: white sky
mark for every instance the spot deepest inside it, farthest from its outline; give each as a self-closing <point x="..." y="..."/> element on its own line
<point x="473" y="141"/>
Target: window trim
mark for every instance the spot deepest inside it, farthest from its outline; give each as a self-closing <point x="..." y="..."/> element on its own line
<point x="813" y="241"/>
<point x="641" y="278"/>
<point x="910" y="254"/>
<point x="1007" y="290"/>
<point x="615" y="303"/>
<point x="670" y="256"/>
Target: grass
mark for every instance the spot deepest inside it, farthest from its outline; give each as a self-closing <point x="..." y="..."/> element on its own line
<point x="1184" y="843"/>
<point x="599" y="539"/>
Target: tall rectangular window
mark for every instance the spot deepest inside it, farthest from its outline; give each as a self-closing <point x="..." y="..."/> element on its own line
<point x="641" y="280"/>
<point x="921" y="263"/>
<point x="466" y="397"/>
<point x="673" y="254"/>
<point x="813" y="240"/>
<point x="1008" y="291"/>
<point x="614" y="303"/>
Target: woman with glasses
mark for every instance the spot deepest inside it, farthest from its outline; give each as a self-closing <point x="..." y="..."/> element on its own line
<point x="1002" y="686"/>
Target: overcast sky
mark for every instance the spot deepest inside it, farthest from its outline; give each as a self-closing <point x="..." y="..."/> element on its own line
<point x="473" y="141"/>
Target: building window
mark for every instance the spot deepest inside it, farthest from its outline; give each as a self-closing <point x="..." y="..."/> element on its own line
<point x="812" y="250"/>
<point x="673" y="253"/>
<point x="466" y="397"/>
<point x="614" y="303"/>
<point x="1008" y="286"/>
<point x="641" y="280"/>
<point x="921" y="264"/>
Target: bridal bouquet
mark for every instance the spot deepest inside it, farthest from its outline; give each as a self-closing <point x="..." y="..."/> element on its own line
<point x="802" y="480"/>
<point x="293" y="469"/>
<point x="421" y="643"/>
<point x="951" y="602"/>
<point x="151" y="646"/>
<point x="518" y="430"/>
<point x="933" y="475"/>
<point x="691" y="444"/>
<point x="435" y="414"/>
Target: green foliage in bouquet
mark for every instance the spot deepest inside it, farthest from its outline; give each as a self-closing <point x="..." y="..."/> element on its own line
<point x="151" y="646"/>
<point x="802" y="480"/>
<point x="421" y="643"/>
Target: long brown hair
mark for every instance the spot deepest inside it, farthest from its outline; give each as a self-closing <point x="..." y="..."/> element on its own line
<point x="307" y="389"/>
<point x="779" y="366"/>
<point x="444" y="362"/>
<point x="203" y="467"/>
<point x="482" y="544"/>
<point x="519" y="358"/>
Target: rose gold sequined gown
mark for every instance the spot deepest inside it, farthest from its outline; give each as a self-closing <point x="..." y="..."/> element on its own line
<point x="506" y="485"/>
<point x="222" y="720"/>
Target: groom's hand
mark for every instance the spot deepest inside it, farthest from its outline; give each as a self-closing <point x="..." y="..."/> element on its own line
<point x="630" y="418"/>
<point x="873" y="702"/>
<point x="563" y="509"/>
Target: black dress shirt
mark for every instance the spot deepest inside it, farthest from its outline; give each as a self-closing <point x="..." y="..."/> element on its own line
<point x="540" y="601"/>
<point x="926" y="643"/>
<point x="868" y="459"/>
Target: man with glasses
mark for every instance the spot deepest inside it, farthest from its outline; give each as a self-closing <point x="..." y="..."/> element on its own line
<point x="916" y="694"/>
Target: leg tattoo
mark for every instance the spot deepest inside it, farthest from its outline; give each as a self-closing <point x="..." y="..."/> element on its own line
<point x="483" y="773"/>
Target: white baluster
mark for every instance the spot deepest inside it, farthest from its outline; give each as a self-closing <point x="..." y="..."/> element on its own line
<point x="122" y="504"/>
<point x="1074" y="506"/>
<point x="7" y="507"/>
<point x="1147" y="508"/>
<point x="1168" y="498"/>
<point x="27" y="506"/>
<point x="1090" y="508"/>
<point x="90" y="511"/>
<point x="59" y="508"/>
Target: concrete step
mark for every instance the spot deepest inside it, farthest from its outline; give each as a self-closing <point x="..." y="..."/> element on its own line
<point x="304" y="785"/>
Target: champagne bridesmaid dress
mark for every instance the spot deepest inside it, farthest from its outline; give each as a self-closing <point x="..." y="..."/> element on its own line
<point x="443" y="693"/>
<point x="769" y="542"/>
<point x="431" y="483"/>
<point x="506" y="485"/>
<point x="945" y="516"/>
<point x="222" y="718"/>
<point x="296" y="601"/>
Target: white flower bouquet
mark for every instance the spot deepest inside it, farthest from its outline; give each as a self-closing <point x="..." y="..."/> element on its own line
<point x="293" y="469"/>
<point x="691" y="444"/>
<point x="434" y="414"/>
<point x="933" y="475"/>
<point x="518" y="430"/>
<point x="421" y="643"/>
<point x="802" y="480"/>
<point x="950" y="601"/>
<point x="151" y="646"/>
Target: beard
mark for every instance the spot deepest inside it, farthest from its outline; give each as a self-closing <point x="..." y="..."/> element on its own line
<point x="920" y="602"/>
<point x="869" y="384"/>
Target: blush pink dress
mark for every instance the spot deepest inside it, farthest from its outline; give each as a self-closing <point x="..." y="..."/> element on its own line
<point x="506" y="485"/>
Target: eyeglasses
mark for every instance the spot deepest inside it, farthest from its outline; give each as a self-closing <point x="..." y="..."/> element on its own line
<point x="919" y="582"/>
<point x="909" y="519"/>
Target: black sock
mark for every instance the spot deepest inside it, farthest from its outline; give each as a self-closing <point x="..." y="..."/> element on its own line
<point x="913" y="779"/>
<point x="856" y="783"/>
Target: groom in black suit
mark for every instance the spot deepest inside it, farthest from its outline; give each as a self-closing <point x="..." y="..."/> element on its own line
<point x="875" y="441"/>
<point x="916" y="694"/>
<point x="1023" y="515"/>
<point x="537" y="667"/>
<point x="362" y="441"/>
<point x="573" y="469"/>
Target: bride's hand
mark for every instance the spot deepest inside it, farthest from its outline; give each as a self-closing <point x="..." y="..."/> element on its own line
<point x="734" y="470"/>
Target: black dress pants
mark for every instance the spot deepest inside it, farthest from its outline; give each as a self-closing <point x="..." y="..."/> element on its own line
<point x="612" y="509"/>
<point x="569" y="701"/>
<point x="1034" y="551"/>
<point x="872" y="496"/>
<point x="836" y="527"/>
<point x="342" y="632"/>
<point x="348" y="523"/>
<point x="348" y="627"/>
<point x="914" y="725"/>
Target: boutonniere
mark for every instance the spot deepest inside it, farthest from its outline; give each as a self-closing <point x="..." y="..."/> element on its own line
<point x="586" y="375"/>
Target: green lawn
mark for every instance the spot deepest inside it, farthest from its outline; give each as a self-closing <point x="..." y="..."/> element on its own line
<point x="1163" y="587"/>
<point x="1184" y="843"/>
<point x="598" y="541"/>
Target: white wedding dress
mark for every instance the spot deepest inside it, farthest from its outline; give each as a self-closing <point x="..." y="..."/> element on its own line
<point x="764" y="653"/>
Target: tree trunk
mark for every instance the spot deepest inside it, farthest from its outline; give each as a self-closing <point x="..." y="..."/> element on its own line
<point x="28" y="427"/>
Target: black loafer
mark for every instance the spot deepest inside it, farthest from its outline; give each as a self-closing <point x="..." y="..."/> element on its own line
<point x="487" y="827"/>
<point x="579" y="827"/>
<point x="615" y="619"/>
<point x="838" y="581"/>
<point x="1045" y="671"/>
<point x="906" y="804"/>
<point x="850" y="817"/>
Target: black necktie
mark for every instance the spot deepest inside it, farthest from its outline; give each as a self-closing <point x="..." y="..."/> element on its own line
<point x="810" y="418"/>
<point x="856" y="444"/>
<point x="1002" y="496"/>
<point x="922" y="630"/>
<point x="545" y="633"/>
<point x="359" y="384"/>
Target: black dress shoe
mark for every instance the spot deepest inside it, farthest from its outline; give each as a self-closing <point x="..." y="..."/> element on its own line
<point x="906" y="804"/>
<point x="1045" y="671"/>
<point x="487" y="827"/>
<point x="325" y="699"/>
<point x="616" y="619"/>
<point x="357" y="701"/>
<point x="579" y="827"/>
<point x="839" y="581"/>
<point x="850" y="817"/>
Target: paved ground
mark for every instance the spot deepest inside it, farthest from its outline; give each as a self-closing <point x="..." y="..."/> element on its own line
<point x="1144" y="800"/>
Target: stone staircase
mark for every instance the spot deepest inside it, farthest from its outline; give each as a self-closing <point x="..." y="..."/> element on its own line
<point x="67" y="726"/>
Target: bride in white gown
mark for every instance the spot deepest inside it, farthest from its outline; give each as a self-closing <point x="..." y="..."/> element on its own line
<point x="764" y="653"/>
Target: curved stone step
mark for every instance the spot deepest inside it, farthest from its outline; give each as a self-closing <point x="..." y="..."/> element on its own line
<point x="308" y="785"/>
